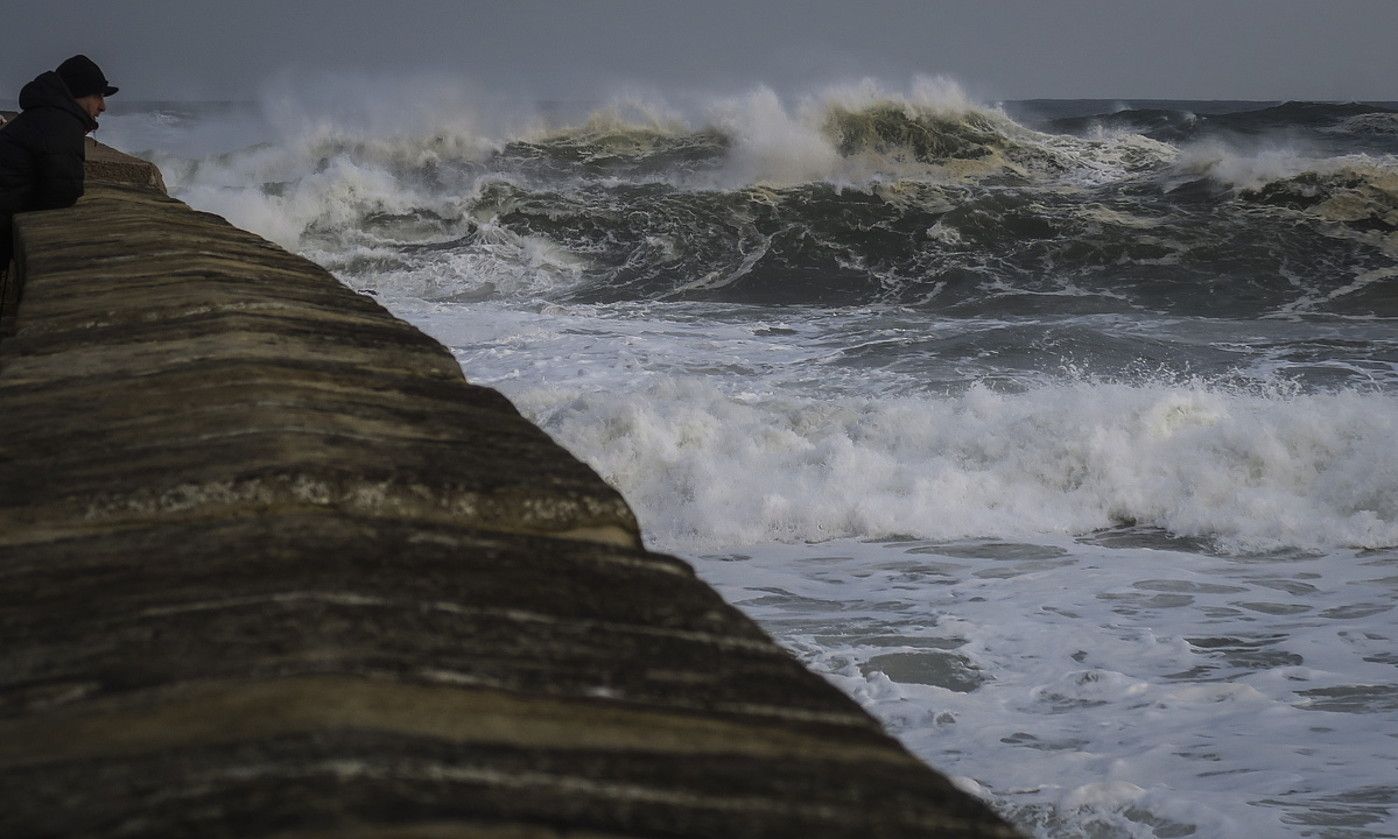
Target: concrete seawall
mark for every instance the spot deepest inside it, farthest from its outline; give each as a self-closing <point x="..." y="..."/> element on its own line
<point x="269" y="565"/>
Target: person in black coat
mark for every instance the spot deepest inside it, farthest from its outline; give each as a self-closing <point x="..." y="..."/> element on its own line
<point x="41" y="150"/>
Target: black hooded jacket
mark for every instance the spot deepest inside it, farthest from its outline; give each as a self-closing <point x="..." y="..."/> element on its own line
<point x="41" y="150"/>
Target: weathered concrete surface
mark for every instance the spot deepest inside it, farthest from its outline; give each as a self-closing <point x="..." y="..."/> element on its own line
<point x="269" y="566"/>
<point x="106" y="164"/>
<point x="200" y="373"/>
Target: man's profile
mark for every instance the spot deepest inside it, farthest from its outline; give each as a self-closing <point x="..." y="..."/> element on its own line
<point x="41" y="150"/>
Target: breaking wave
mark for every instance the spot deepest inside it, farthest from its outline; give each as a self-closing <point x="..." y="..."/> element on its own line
<point x="1314" y="120"/>
<point x="857" y="195"/>
<point x="1248" y="469"/>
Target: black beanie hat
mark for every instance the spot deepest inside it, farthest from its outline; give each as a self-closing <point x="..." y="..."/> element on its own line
<point x="84" y="78"/>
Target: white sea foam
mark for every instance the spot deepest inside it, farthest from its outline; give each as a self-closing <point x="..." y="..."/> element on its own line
<point x="783" y="143"/>
<point x="1092" y="691"/>
<point x="325" y="152"/>
<point x="1252" y="169"/>
<point x="501" y="263"/>
<point x="329" y="160"/>
<point x="1254" y="471"/>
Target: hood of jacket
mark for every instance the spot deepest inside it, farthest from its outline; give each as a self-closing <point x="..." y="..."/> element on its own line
<point x="48" y="91"/>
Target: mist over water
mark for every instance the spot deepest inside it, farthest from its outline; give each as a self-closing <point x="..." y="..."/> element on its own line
<point x="1059" y="434"/>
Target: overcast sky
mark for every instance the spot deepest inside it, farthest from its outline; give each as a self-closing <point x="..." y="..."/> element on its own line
<point x="1188" y="49"/>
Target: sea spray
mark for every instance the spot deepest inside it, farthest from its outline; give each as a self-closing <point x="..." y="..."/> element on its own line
<point x="1250" y="471"/>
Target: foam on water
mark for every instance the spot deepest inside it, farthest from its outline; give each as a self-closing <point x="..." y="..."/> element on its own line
<point x="1109" y="686"/>
<point x="726" y="427"/>
<point x="327" y="161"/>
<point x="1254" y="169"/>
<point x="1252" y="471"/>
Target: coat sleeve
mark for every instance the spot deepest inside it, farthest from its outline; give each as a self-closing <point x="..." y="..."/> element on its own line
<point x="60" y="167"/>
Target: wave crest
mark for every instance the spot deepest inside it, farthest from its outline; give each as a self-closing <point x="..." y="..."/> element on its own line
<point x="1355" y="196"/>
<point x="1252" y="471"/>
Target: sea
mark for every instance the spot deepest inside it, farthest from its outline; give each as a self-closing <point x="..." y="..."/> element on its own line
<point x="1062" y="435"/>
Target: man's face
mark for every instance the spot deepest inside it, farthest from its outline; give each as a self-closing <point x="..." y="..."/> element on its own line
<point x="93" y="104"/>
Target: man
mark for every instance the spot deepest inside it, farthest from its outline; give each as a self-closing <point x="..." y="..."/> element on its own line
<point x="41" y="150"/>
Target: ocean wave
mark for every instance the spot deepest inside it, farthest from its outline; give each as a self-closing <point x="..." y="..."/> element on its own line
<point x="1163" y="124"/>
<point x="1352" y="121"/>
<point x="1252" y="170"/>
<point x="850" y="134"/>
<point x="946" y="247"/>
<point x="854" y="195"/>
<point x="982" y="143"/>
<point x="1375" y="123"/>
<point x="1297" y="114"/>
<point x="1250" y="469"/>
<point x="854" y="135"/>
<point x="1353" y="196"/>
<point x="625" y="138"/>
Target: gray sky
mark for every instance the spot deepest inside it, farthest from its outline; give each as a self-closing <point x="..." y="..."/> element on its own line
<point x="1188" y="49"/>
